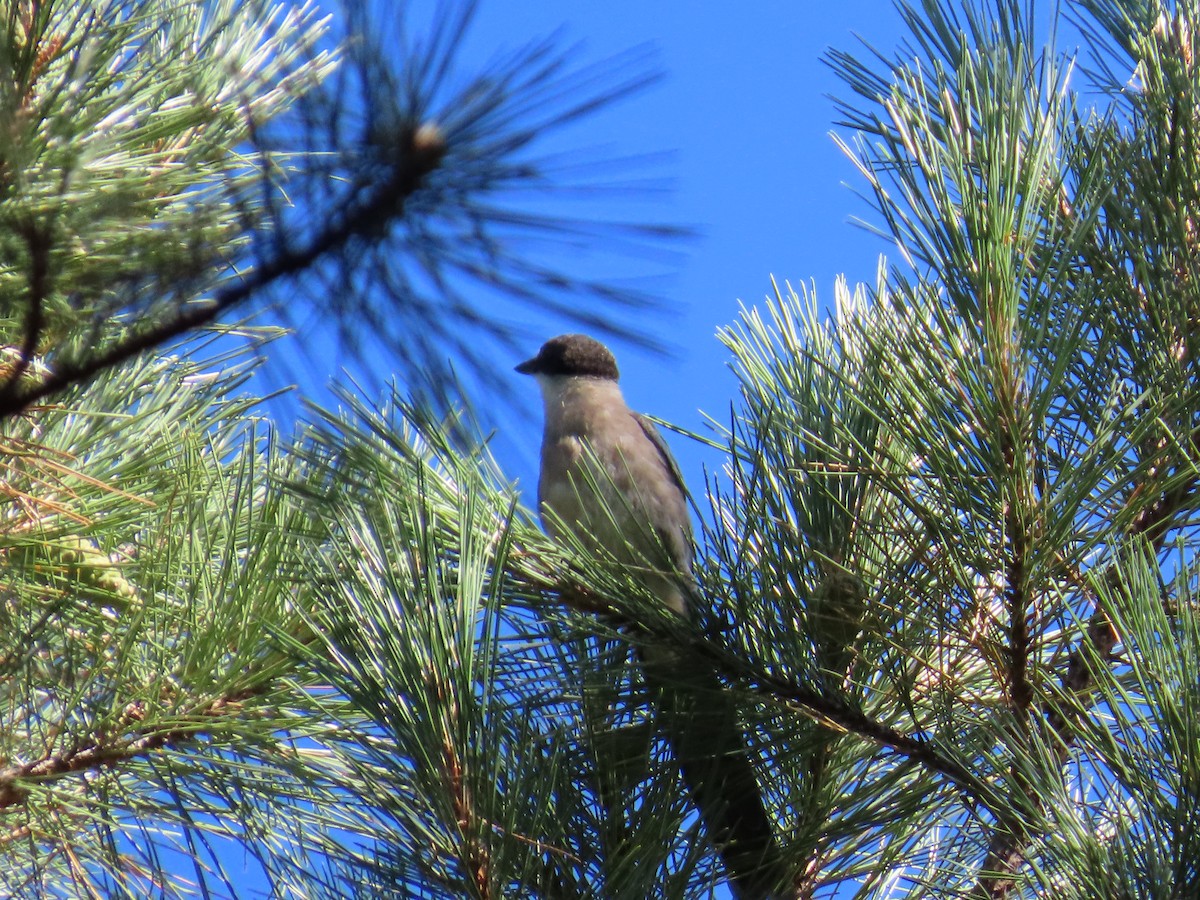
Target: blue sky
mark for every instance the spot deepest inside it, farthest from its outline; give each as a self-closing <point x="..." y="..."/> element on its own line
<point x="744" y="110"/>
<point x="744" y="114"/>
<point x="739" y="131"/>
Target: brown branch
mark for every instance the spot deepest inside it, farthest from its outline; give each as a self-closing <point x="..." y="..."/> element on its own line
<point x="1006" y="851"/>
<point x="38" y="244"/>
<point x="1020" y="690"/>
<point x="103" y="753"/>
<point x="476" y="860"/>
<point x="829" y="711"/>
<point x="837" y="715"/>
<point x="426" y="150"/>
<point x="100" y="755"/>
<point x="1016" y="594"/>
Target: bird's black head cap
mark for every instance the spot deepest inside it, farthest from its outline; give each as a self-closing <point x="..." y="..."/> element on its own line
<point x="572" y="354"/>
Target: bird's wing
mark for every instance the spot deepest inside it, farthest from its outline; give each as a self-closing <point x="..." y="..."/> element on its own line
<point x="657" y="440"/>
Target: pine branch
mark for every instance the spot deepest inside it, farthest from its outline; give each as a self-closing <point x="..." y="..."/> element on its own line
<point x="85" y="757"/>
<point x="37" y="244"/>
<point x="1006" y="853"/>
<point x="422" y="156"/>
<point x="830" y="711"/>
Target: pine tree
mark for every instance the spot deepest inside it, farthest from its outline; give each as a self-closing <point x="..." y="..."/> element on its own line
<point x="167" y="170"/>
<point x="950" y="553"/>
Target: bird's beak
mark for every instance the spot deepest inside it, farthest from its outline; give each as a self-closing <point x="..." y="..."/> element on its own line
<point x="528" y="367"/>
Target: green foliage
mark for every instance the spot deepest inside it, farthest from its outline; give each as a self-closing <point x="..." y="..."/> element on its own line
<point x="178" y="678"/>
<point x="950" y="553"/>
<point x="147" y="566"/>
<point x="119" y="162"/>
<point x="489" y="739"/>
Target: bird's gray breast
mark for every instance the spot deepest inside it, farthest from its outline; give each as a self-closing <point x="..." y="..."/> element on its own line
<point x="590" y="494"/>
<point x="619" y="498"/>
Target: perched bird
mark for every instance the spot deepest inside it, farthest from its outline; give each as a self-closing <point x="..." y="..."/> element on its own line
<point x="609" y="482"/>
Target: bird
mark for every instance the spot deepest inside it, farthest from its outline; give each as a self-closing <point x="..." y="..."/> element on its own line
<point x="609" y="484"/>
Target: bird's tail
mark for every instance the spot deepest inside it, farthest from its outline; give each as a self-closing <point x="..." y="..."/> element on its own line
<point x="701" y="723"/>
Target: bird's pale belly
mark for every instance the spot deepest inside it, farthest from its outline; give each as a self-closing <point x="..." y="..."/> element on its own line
<point x="596" y="505"/>
<point x="594" y="502"/>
